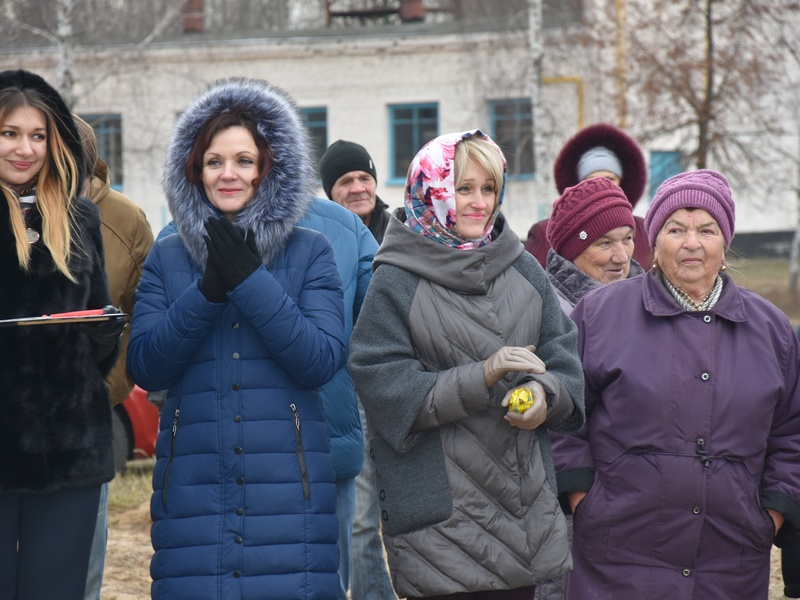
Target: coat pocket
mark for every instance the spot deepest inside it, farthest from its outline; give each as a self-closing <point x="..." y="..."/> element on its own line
<point x="413" y="490"/>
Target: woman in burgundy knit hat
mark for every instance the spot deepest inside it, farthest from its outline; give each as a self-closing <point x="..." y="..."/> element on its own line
<point x="591" y="231"/>
<point x="599" y="150"/>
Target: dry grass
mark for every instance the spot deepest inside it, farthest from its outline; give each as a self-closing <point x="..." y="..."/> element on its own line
<point x="130" y="490"/>
<point x="769" y="278"/>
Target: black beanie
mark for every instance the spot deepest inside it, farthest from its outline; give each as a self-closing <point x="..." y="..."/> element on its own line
<point x="342" y="157"/>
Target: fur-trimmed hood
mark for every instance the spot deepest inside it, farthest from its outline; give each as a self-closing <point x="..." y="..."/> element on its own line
<point x="281" y="198"/>
<point x="634" y="168"/>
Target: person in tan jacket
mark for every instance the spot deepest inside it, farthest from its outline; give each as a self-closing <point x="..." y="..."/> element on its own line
<point x="127" y="238"/>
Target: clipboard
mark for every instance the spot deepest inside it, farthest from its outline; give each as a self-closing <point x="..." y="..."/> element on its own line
<point x="78" y="316"/>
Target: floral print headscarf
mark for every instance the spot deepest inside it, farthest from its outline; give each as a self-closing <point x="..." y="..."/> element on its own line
<point x="430" y="200"/>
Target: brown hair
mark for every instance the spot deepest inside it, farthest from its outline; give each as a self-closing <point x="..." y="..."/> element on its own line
<point x="56" y="186"/>
<point x="209" y="129"/>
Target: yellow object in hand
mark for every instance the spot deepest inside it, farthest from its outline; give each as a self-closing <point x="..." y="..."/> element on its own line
<point x="521" y="400"/>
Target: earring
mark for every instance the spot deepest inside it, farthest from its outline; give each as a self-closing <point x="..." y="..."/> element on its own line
<point x="655" y="264"/>
<point x="724" y="267"/>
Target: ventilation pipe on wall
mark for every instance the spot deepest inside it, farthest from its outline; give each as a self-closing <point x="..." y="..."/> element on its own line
<point x="192" y="19"/>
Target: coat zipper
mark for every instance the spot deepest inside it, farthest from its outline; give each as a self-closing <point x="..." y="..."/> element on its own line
<point x="171" y="456"/>
<point x="301" y="457"/>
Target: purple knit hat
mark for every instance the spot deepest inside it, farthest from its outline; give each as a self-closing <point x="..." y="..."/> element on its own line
<point x="704" y="189"/>
<point x="586" y="212"/>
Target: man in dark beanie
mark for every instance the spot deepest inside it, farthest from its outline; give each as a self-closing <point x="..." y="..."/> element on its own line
<point x="349" y="178"/>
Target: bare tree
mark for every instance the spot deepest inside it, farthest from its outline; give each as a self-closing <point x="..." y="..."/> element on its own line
<point x="706" y="76"/>
<point x="80" y="21"/>
<point x="63" y="40"/>
<point x="535" y="40"/>
<point x="715" y="80"/>
<point x="789" y="33"/>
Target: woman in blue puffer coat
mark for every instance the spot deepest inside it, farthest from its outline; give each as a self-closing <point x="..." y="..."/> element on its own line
<point x="239" y="315"/>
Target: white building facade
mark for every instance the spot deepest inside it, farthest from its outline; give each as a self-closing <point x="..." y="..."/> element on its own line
<point x="388" y="88"/>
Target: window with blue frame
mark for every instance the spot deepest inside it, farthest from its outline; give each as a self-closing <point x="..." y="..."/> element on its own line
<point x="511" y="125"/>
<point x="108" y="129"/>
<point x="663" y="165"/>
<point x="317" y="122"/>
<point x="411" y="127"/>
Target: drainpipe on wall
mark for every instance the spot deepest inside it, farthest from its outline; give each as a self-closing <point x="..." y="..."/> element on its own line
<point x="411" y="11"/>
<point x="192" y="17"/>
<point x="578" y="81"/>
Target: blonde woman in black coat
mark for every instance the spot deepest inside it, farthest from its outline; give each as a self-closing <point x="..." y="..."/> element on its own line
<point x="55" y="429"/>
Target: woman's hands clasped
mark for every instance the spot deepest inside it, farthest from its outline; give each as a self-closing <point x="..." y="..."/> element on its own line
<point x="231" y="259"/>
<point x="510" y="359"/>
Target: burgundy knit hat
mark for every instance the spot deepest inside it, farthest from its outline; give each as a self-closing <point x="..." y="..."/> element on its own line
<point x="612" y="139"/>
<point x="586" y="212"/>
<point x="704" y="189"/>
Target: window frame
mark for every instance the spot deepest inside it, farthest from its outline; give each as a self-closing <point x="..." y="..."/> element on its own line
<point x="317" y="149"/>
<point x="417" y="122"/>
<point x="662" y="165"/>
<point x="521" y="112"/>
<point x="102" y="130"/>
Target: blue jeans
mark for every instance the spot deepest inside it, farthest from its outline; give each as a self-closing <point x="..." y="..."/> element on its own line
<point x="97" y="559"/>
<point x="369" y="576"/>
<point x="345" y="507"/>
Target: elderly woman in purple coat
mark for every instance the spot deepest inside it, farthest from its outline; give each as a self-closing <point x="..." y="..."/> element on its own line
<point x="687" y="468"/>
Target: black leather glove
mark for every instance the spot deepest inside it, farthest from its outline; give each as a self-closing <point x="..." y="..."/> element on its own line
<point x="103" y="334"/>
<point x="788" y="540"/>
<point x="211" y="285"/>
<point x="234" y="257"/>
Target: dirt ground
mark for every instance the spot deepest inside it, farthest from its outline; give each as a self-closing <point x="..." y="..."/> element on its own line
<point x="127" y="572"/>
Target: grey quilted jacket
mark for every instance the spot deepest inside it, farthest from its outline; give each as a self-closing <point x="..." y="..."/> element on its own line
<point x="467" y="501"/>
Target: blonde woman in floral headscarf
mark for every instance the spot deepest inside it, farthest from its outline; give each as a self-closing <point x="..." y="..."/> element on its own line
<point x="458" y="325"/>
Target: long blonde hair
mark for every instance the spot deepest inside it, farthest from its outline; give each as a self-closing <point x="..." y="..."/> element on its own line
<point x="56" y="187"/>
